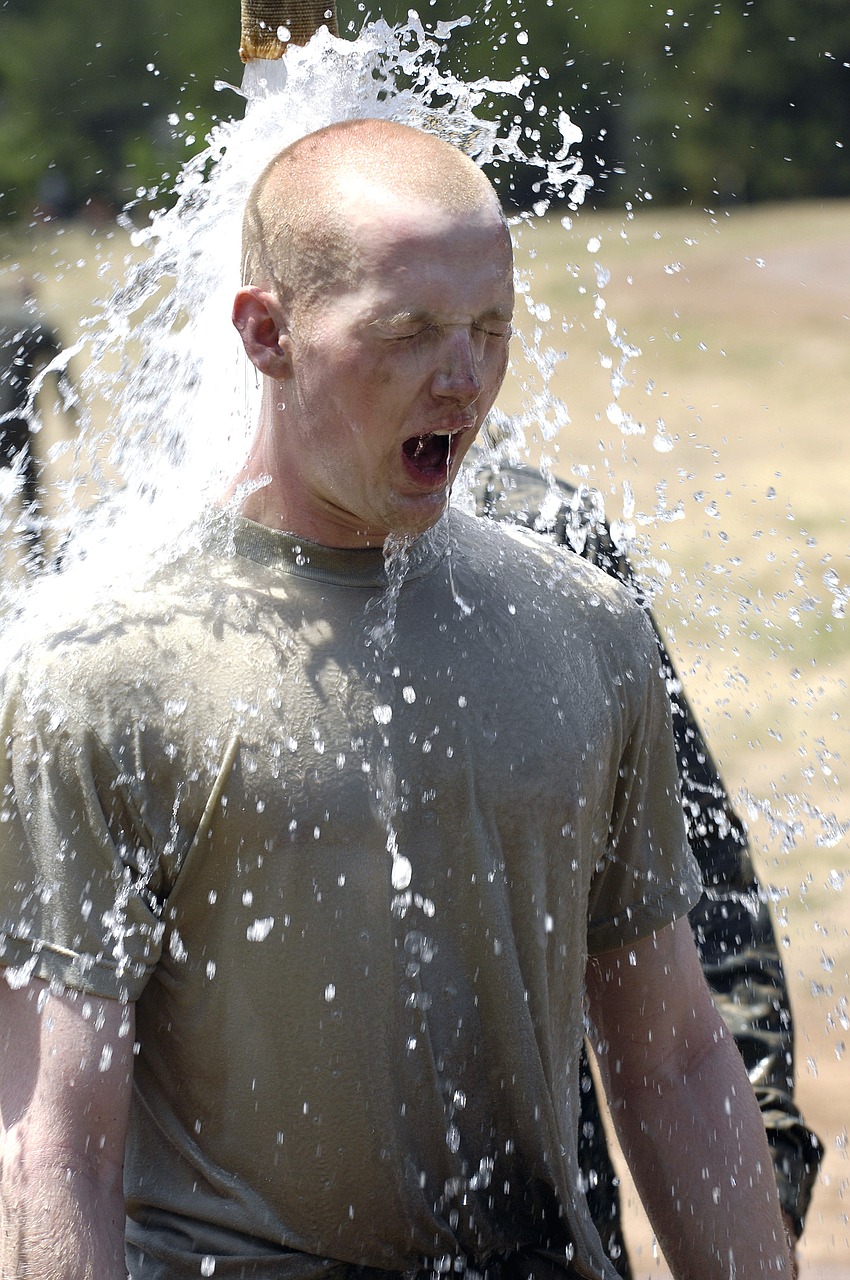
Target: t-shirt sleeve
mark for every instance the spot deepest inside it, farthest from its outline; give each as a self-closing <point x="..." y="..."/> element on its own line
<point x="646" y="877"/>
<point x="75" y="866"/>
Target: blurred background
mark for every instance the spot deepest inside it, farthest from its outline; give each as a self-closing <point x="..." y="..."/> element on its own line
<point x="699" y="103"/>
<point x="683" y="347"/>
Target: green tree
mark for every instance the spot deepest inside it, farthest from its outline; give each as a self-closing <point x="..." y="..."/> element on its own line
<point x="87" y="91"/>
<point x="759" y="93"/>
<point x="705" y="101"/>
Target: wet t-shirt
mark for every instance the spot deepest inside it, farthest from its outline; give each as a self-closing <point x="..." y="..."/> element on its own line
<point x="346" y="828"/>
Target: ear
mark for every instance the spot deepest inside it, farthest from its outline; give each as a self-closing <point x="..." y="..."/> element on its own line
<point x="260" y="321"/>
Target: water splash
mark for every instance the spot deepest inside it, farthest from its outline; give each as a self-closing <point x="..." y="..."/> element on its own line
<point x="161" y="350"/>
<point x="379" y="638"/>
<point x="397" y="549"/>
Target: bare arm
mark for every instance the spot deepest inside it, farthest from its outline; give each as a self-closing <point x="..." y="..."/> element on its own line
<point x="685" y="1111"/>
<point x="66" y="1065"/>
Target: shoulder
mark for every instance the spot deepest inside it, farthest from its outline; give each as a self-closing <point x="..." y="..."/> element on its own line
<point x="80" y="645"/>
<point x="510" y="548"/>
<point x="551" y="583"/>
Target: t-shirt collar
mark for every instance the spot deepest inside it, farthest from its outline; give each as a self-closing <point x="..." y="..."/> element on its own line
<point x="341" y="566"/>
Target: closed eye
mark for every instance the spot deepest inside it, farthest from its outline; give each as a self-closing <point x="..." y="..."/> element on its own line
<point x="490" y="329"/>
<point x="413" y="329"/>
<point x="417" y="333"/>
<point x="494" y="328"/>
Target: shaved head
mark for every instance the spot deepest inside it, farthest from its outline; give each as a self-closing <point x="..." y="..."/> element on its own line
<point x="297" y="240"/>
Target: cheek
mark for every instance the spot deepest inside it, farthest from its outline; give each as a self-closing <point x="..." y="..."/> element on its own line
<point x="495" y="368"/>
<point x="390" y="384"/>
<point x="364" y="375"/>
<point x="382" y="378"/>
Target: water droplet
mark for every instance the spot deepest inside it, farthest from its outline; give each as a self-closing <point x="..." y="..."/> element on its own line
<point x="176" y="949"/>
<point x="402" y="874"/>
<point x="663" y="443"/>
<point x="409" y="693"/>
<point x="207" y="1264"/>
<point x="260" y="929"/>
<point x="383" y="714"/>
<point x="330" y="992"/>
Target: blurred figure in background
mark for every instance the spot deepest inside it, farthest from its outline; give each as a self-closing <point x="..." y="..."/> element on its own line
<point x="28" y="346"/>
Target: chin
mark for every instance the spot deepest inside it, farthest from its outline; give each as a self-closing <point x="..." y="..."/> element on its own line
<point x="417" y="516"/>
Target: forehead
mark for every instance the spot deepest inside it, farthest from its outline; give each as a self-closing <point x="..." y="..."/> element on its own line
<point x="421" y="254"/>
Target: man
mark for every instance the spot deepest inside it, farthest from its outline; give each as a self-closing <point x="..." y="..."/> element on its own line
<point x="732" y="927"/>
<point x="282" y="820"/>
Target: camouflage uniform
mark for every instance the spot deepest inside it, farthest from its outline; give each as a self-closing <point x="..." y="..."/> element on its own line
<point x="731" y="922"/>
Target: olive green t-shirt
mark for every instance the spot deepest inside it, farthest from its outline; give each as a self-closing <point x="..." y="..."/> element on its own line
<point x="346" y="830"/>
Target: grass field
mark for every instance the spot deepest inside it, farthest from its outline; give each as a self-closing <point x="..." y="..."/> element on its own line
<point x="722" y="445"/>
<point x="735" y="420"/>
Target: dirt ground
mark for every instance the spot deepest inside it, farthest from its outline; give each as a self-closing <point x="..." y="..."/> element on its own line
<point x="694" y="367"/>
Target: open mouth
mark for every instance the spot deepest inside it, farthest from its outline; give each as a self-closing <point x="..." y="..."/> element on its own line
<point x="429" y="454"/>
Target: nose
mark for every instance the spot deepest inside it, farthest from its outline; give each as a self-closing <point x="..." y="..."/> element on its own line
<point x="456" y="377"/>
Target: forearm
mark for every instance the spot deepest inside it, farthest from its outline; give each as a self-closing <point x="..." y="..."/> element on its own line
<point x="697" y="1150"/>
<point x="65" y="1085"/>
<point x="57" y="1222"/>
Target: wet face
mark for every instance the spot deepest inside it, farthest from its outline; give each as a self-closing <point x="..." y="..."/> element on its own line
<point x="392" y="378"/>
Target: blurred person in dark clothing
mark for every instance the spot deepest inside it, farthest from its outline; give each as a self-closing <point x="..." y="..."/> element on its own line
<point x="28" y="345"/>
